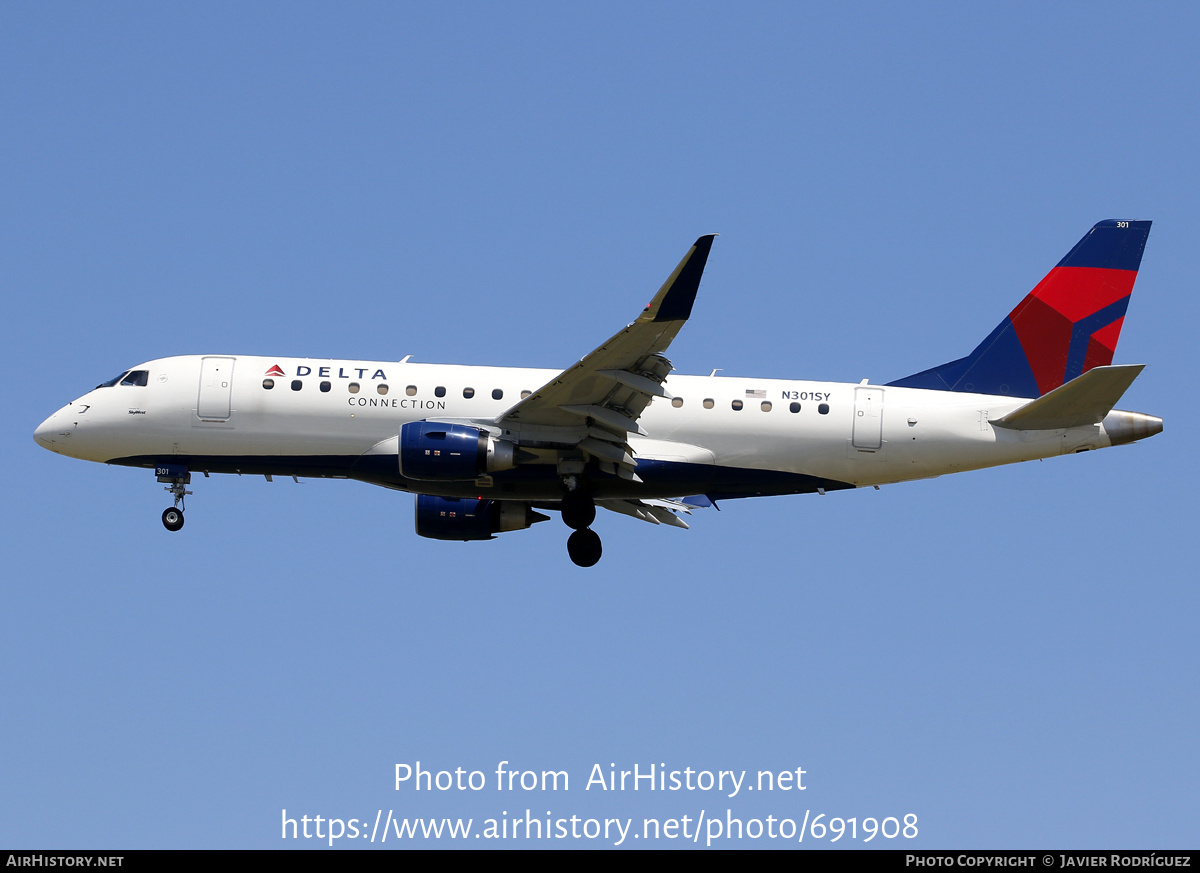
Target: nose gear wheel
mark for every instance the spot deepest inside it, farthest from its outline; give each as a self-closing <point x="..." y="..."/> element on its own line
<point x="172" y="518"/>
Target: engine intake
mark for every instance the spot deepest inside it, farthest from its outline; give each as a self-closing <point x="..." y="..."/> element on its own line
<point x="447" y="452"/>
<point x="471" y="518"/>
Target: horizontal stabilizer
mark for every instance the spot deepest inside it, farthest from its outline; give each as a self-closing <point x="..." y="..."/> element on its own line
<point x="1084" y="400"/>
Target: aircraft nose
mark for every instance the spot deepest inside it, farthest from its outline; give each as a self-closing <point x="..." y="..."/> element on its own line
<point x="44" y="436"/>
<point x="55" y="431"/>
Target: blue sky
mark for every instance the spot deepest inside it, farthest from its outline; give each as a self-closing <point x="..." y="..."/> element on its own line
<point x="1008" y="654"/>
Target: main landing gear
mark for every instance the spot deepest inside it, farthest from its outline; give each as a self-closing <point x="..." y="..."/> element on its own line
<point x="177" y="479"/>
<point x="578" y="512"/>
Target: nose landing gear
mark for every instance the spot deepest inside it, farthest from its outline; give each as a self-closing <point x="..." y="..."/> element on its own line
<point x="177" y="478"/>
<point x="578" y="512"/>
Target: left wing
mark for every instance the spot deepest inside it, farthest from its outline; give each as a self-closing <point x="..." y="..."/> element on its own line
<point x="608" y="389"/>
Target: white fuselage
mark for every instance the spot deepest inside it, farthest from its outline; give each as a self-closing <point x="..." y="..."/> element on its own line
<point x="729" y="436"/>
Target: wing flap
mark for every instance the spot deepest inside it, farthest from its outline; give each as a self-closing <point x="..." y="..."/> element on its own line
<point x="644" y="511"/>
<point x="606" y="451"/>
<point x="615" y="418"/>
<point x="636" y="382"/>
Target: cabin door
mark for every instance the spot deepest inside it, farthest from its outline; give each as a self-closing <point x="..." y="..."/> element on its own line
<point x="216" y="389"/>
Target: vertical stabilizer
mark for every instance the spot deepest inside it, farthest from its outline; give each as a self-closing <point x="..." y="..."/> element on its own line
<point x="1064" y="327"/>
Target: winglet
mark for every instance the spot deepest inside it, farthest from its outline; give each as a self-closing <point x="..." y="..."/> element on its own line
<point x="1085" y="400"/>
<point x="674" y="299"/>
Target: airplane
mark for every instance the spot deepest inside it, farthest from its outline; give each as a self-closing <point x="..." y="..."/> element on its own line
<point x="485" y="448"/>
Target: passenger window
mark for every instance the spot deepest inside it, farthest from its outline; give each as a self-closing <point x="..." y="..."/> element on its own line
<point x="325" y="386"/>
<point x="677" y="402"/>
<point x="823" y="409"/>
<point x="439" y="391"/>
<point x="268" y="384"/>
<point x="525" y="394"/>
<point x="352" y="387"/>
<point x="737" y="405"/>
<point x="766" y="406"/>
<point x="382" y="388"/>
<point x="468" y="393"/>
<point x="297" y="384"/>
<point x="497" y="394"/>
<point x="411" y="391"/>
<point x="795" y="407"/>
<point x="137" y="377"/>
<point x="708" y="403"/>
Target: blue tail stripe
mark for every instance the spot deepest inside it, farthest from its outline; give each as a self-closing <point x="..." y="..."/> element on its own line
<point x="1082" y="332"/>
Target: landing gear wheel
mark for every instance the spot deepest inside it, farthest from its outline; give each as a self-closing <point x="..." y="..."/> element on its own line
<point x="172" y="518"/>
<point x="578" y="513"/>
<point x="584" y="547"/>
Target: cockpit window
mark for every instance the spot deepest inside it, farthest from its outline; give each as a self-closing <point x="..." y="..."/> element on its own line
<point x="136" y="377"/>
<point x="113" y="381"/>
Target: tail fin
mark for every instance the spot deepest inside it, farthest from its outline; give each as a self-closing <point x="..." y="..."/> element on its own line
<point x="1064" y="327"/>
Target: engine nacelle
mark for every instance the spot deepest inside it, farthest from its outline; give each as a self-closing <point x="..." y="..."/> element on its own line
<point x="471" y="518"/>
<point x="447" y="452"/>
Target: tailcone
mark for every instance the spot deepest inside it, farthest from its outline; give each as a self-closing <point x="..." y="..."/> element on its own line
<point x="1128" y="427"/>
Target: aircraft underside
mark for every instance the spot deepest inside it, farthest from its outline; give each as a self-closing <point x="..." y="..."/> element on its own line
<point x="660" y="479"/>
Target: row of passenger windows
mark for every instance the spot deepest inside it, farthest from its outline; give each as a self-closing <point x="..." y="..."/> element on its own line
<point x="498" y="394"/>
<point x="382" y="388"/>
<point x="738" y="405"/>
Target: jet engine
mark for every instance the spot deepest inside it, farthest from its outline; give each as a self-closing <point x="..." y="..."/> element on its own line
<point x="446" y="452"/>
<point x="471" y="518"/>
